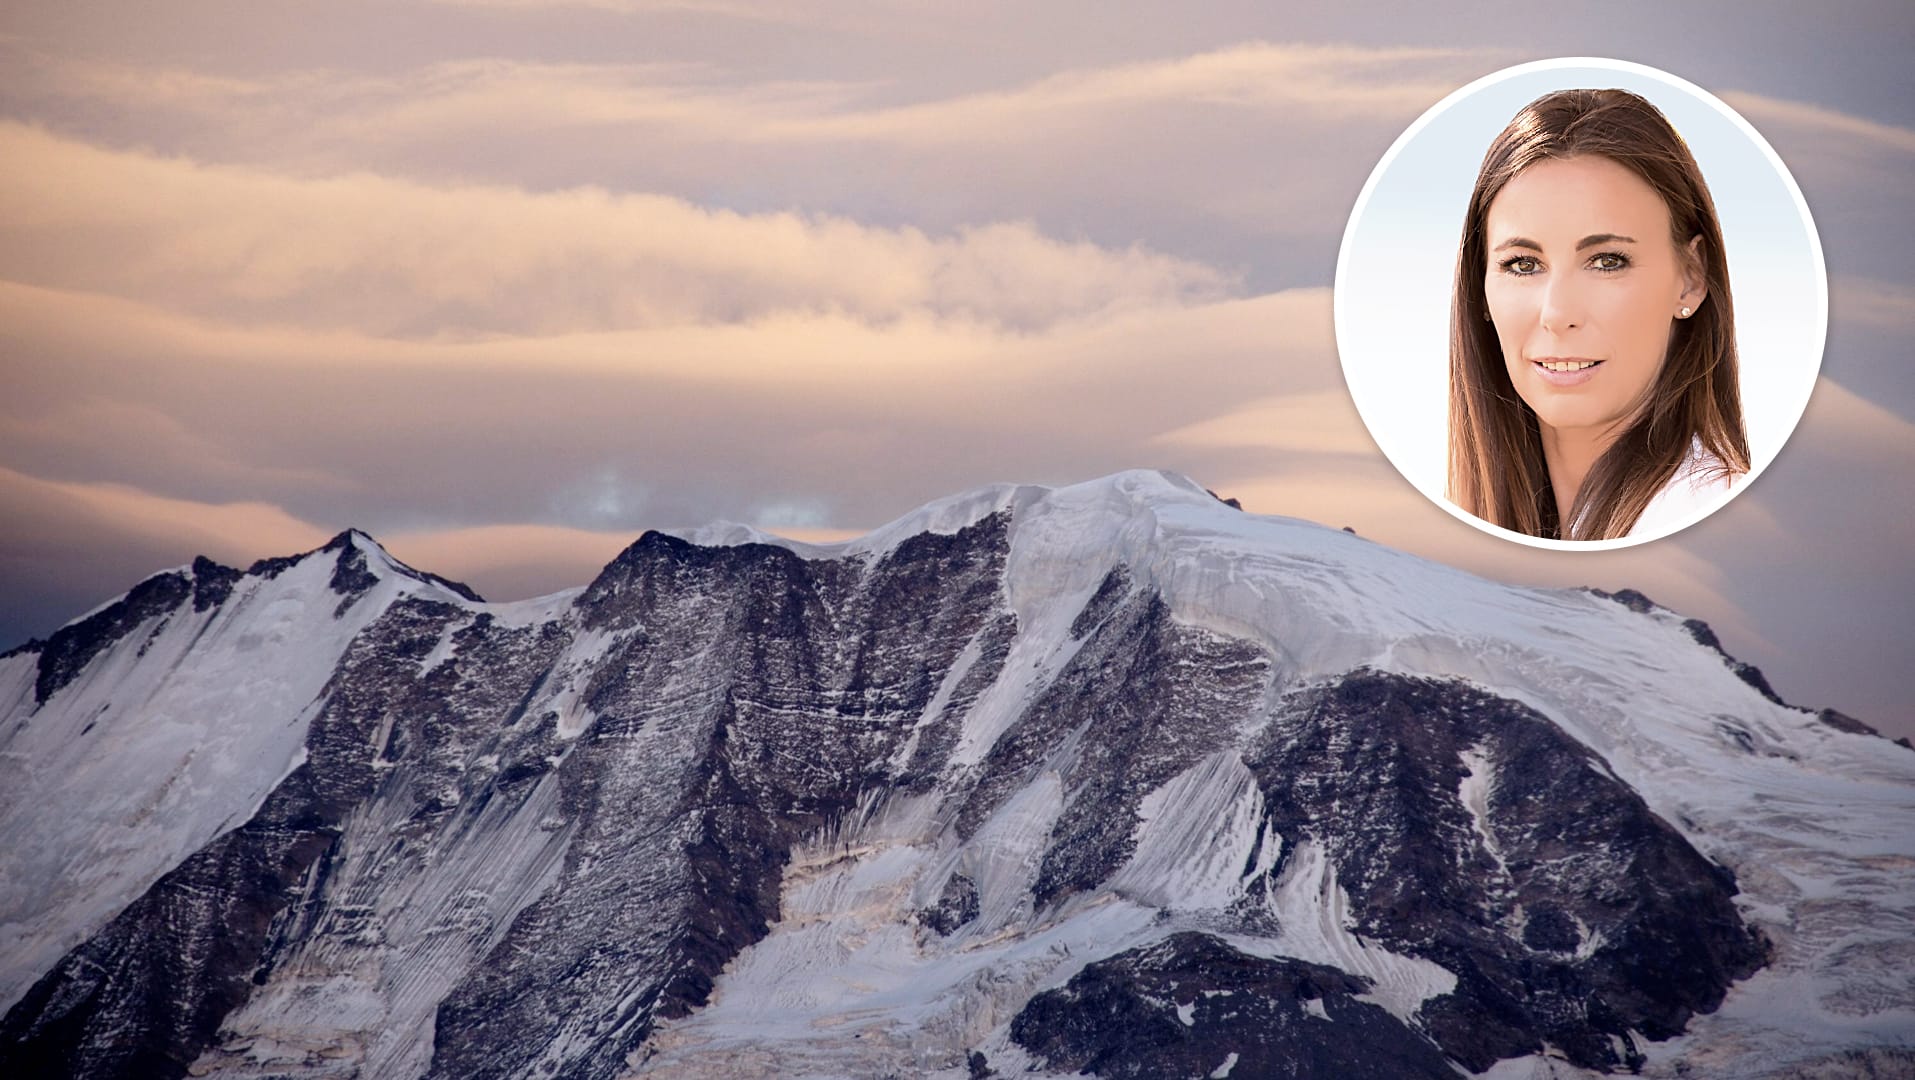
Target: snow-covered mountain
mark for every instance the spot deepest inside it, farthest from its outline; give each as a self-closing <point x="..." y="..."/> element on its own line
<point x="1110" y="778"/>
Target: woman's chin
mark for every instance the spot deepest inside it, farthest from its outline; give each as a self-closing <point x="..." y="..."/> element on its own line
<point x="1566" y="417"/>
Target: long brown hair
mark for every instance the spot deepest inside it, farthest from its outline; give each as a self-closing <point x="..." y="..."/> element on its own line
<point x="1496" y="466"/>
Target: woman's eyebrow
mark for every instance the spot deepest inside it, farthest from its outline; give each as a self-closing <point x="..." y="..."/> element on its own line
<point x="1594" y="239"/>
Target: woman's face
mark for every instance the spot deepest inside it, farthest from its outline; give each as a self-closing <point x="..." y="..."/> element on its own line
<point x="1584" y="286"/>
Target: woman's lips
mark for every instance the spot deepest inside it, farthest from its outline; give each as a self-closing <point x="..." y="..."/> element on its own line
<point x="1563" y="371"/>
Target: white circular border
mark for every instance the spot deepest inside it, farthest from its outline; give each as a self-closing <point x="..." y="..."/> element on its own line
<point x="1396" y="452"/>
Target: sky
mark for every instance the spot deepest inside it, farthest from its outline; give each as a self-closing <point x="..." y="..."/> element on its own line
<point x="506" y="282"/>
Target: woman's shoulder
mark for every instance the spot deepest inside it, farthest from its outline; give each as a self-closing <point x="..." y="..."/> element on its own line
<point x="1700" y="483"/>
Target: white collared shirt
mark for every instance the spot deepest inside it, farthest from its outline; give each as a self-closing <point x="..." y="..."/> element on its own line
<point x="1699" y="486"/>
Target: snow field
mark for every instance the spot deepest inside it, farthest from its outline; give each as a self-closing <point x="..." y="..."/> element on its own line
<point x="168" y="754"/>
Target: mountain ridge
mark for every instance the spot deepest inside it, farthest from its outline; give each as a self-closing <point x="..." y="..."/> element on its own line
<point x="941" y="515"/>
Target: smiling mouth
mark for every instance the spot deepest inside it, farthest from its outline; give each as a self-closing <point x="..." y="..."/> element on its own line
<point x="1565" y="365"/>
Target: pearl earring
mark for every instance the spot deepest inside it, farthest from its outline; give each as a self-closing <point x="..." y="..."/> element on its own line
<point x="1683" y="314"/>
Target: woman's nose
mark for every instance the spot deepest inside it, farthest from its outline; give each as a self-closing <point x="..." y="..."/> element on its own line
<point x="1563" y="303"/>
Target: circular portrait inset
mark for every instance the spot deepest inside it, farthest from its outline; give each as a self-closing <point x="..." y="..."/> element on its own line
<point x="1581" y="304"/>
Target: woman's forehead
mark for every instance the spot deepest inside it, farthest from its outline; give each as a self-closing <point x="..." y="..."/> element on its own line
<point x="1565" y="199"/>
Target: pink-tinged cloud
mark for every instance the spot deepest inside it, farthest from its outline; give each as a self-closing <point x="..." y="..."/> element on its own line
<point x="391" y="257"/>
<point x="222" y="530"/>
<point x="1324" y="81"/>
<point x="69" y="434"/>
<point x="1320" y="422"/>
<point x="1878" y="305"/>
<point x="1240" y="343"/>
<point x="1763" y="110"/>
<point x="706" y="103"/>
<point x="1188" y="149"/>
<point x="1842" y="423"/>
<point x="62" y="540"/>
<point x="741" y="9"/>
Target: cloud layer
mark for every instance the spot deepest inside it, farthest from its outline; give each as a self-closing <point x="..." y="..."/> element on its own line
<point x="505" y="298"/>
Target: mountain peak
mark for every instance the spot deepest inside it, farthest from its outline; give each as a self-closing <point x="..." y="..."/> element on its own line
<point x="361" y="561"/>
<point x="1122" y="493"/>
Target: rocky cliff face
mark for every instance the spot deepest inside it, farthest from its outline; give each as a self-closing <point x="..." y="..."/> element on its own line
<point x="1108" y="778"/>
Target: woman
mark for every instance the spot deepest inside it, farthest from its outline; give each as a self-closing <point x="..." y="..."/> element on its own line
<point x="1592" y="341"/>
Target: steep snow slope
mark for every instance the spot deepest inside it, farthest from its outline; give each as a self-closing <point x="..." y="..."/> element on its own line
<point x="190" y="704"/>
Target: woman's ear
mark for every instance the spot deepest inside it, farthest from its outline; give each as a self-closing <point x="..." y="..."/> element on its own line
<point x="1695" y="280"/>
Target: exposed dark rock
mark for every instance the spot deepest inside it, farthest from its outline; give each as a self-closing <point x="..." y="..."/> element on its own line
<point x="212" y="583"/>
<point x="31" y="645"/>
<point x="1110" y="592"/>
<point x="458" y="587"/>
<point x="275" y="566"/>
<point x="1748" y="673"/>
<point x="1704" y="635"/>
<point x="938" y="738"/>
<point x="1190" y="1004"/>
<point x="956" y="905"/>
<point x="71" y="647"/>
<point x="1841" y="721"/>
<point x="351" y="578"/>
<point x="1629" y="598"/>
<point x="279" y="564"/>
<point x="1622" y="925"/>
<point x="686" y="796"/>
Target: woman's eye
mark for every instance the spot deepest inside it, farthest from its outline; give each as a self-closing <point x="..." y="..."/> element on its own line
<point x="1521" y="265"/>
<point x="1609" y="260"/>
